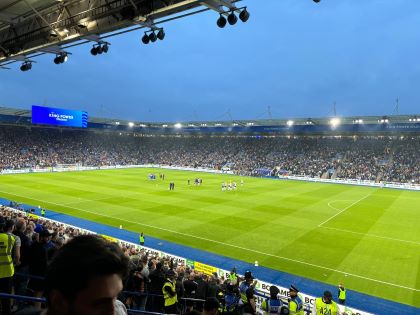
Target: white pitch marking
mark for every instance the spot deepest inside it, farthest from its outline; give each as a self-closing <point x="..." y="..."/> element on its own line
<point x="333" y="201"/>
<point x="371" y="235"/>
<point x="348" y="207"/>
<point x="231" y="245"/>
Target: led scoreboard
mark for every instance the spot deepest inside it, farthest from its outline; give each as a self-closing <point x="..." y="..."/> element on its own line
<point x="59" y="117"/>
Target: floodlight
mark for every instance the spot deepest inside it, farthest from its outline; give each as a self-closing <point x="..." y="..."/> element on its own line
<point x="130" y="124"/>
<point x="244" y="15"/>
<point x="105" y="48"/>
<point x="232" y="19"/>
<point x="161" y="34"/>
<point x="334" y="122"/>
<point x="177" y="125"/>
<point x="152" y="37"/>
<point x="145" y="39"/>
<point x="57" y="60"/>
<point x="317" y="1"/>
<point x="94" y="51"/>
<point x="27" y="65"/>
<point x="221" y="21"/>
<point x="290" y="123"/>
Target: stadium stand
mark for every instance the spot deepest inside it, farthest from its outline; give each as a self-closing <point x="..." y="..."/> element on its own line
<point x="146" y="276"/>
<point x="375" y="158"/>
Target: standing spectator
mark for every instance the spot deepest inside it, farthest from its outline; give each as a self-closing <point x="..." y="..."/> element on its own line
<point x="169" y="293"/>
<point x="295" y="302"/>
<point x="141" y="239"/>
<point x="7" y="270"/>
<point x="342" y="292"/>
<point x="201" y="291"/>
<point x="38" y="264"/>
<point x="325" y="305"/>
<point x="246" y="289"/>
<point x="157" y="280"/>
<point x="273" y="304"/>
<point x="190" y="286"/>
<point x="21" y="282"/>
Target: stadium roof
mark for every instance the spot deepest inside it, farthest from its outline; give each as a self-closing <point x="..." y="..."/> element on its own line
<point x="228" y="123"/>
<point x="29" y="28"/>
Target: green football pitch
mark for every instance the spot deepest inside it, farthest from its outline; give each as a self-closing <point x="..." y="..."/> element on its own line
<point x="367" y="238"/>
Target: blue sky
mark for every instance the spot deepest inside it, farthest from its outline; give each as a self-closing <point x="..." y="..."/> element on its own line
<point x="294" y="56"/>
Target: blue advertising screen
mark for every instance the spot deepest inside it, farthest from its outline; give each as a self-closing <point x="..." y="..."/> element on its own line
<point x="59" y="117"/>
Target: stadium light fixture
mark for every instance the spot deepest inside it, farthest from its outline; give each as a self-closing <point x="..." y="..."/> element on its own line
<point x="178" y="125"/>
<point x="105" y="48"/>
<point x="61" y="58"/>
<point x="334" y="122"/>
<point x="131" y="124"/>
<point x="244" y="15"/>
<point x="145" y="39"/>
<point x="290" y="123"/>
<point x="161" y="34"/>
<point x="317" y="1"/>
<point x="164" y="126"/>
<point x="232" y="19"/>
<point x="117" y="123"/>
<point x="94" y="51"/>
<point x="152" y="37"/>
<point x="221" y="21"/>
<point x="26" y="66"/>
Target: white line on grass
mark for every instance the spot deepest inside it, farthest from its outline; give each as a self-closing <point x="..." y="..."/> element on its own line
<point x="348" y="207"/>
<point x="333" y="201"/>
<point x="98" y="199"/>
<point x="230" y="245"/>
<point x="371" y="235"/>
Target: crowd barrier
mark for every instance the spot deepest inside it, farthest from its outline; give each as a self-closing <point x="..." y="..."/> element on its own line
<point x="262" y="287"/>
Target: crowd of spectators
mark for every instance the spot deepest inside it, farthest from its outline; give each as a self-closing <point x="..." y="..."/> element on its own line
<point x="393" y="159"/>
<point x="37" y="240"/>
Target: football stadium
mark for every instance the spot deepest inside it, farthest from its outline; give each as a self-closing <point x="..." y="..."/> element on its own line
<point x="104" y="215"/>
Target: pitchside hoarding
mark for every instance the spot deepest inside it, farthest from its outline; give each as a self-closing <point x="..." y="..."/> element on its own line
<point x="59" y="117"/>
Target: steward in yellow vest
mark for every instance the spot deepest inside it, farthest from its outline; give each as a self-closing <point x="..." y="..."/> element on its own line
<point x="7" y="270"/>
<point x="342" y="294"/>
<point x="169" y="293"/>
<point x="325" y="305"/>
<point x="141" y="239"/>
<point x="295" y="302"/>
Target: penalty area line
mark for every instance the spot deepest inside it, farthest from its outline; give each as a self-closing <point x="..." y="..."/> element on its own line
<point x="231" y="245"/>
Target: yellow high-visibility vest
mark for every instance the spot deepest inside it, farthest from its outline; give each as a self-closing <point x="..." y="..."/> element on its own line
<point x="169" y="300"/>
<point x="7" y="241"/>
<point x="323" y="308"/>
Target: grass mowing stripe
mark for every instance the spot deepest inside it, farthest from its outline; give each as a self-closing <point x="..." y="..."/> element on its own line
<point x="239" y="247"/>
<point x="283" y="218"/>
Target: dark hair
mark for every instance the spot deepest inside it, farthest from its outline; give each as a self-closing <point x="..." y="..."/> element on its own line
<point x="81" y="259"/>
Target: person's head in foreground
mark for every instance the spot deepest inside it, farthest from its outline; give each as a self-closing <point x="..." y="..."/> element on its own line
<point x="85" y="277"/>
